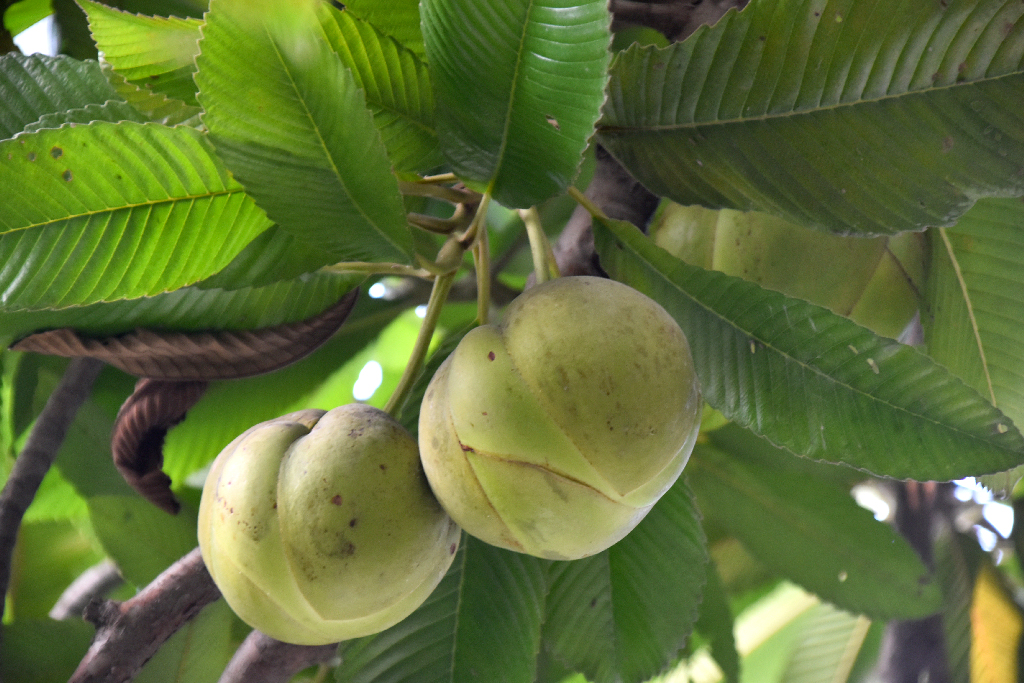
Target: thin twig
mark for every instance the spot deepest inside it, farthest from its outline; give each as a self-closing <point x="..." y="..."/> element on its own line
<point x="39" y="452"/>
<point x="94" y="582"/>
<point x="261" y="659"/>
<point x="129" y="633"/>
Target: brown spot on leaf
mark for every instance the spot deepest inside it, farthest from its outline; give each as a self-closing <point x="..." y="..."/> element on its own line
<point x="66" y="175"/>
<point x="56" y="152"/>
<point x="352" y="522"/>
<point x="31" y="156"/>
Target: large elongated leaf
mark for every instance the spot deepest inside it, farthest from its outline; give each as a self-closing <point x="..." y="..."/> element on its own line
<point x="397" y="88"/>
<point x="33" y="86"/>
<point x="290" y="122"/>
<point x="520" y="84"/>
<point x="852" y="115"/>
<point x="621" y="615"/>
<point x="156" y="51"/>
<point x="813" y="533"/>
<point x="114" y="211"/>
<point x="975" y="300"/>
<point x="814" y="382"/>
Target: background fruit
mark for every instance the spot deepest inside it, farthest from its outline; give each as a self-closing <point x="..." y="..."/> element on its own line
<point x="318" y="527"/>
<point x="554" y="432"/>
<point x="876" y="282"/>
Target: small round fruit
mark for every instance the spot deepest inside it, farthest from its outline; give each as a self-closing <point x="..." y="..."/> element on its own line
<point x="556" y="431"/>
<point x="319" y="527"/>
<point x="874" y="281"/>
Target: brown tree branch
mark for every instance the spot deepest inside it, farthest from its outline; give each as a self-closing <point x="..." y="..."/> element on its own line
<point x="129" y="633"/>
<point x="261" y="659"/>
<point x="39" y="452"/>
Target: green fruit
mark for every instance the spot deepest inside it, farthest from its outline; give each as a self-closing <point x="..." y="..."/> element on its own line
<point x="876" y="282"/>
<point x="319" y="527"/>
<point x="554" y="432"/>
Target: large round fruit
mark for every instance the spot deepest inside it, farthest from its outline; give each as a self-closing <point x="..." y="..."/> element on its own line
<point x="555" y="432"/>
<point x="875" y="281"/>
<point x="318" y="527"/>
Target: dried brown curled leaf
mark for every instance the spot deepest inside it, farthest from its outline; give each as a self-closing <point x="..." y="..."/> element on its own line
<point x="139" y="431"/>
<point x="212" y="355"/>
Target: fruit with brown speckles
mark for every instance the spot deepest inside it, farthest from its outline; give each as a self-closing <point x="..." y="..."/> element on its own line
<point x="319" y="527"/>
<point x="556" y="431"/>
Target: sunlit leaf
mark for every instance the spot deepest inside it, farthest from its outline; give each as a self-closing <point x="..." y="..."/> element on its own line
<point x="291" y="123"/>
<point x="36" y="85"/>
<point x="519" y="84"/>
<point x="156" y="51"/>
<point x="851" y="115"/>
<point x="114" y="211"/>
<point x="21" y="15"/>
<point x="812" y="381"/>
<point x="399" y="19"/>
<point x="397" y="88"/>
<point x="813" y="533"/>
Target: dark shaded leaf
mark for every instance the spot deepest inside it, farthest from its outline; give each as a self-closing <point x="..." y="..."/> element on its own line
<point x="813" y="532"/>
<point x="861" y="116"/>
<point x="198" y="355"/>
<point x="814" y="382"/>
<point x="36" y="85"/>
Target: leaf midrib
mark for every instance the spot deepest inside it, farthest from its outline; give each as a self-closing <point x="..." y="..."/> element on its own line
<point x="124" y="207"/>
<point x="320" y="138"/>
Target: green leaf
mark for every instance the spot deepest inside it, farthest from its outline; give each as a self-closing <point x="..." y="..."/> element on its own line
<point x="291" y="123"/>
<point x="812" y="532"/>
<point x="624" y="614"/>
<point x="849" y="115"/>
<point x="158" y="107"/>
<point x="481" y="623"/>
<point x="620" y="615"/>
<point x="716" y="623"/>
<point x="142" y="539"/>
<point x="520" y="84"/>
<point x="21" y="15"/>
<point x="196" y="653"/>
<point x="399" y="19"/>
<point x="827" y="647"/>
<point x="112" y="111"/>
<point x="30" y="655"/>
<point x="115" y="211"/>
<point x="957" y="561"/>
<point x="396" y="83"/>
<point x="156" y="52"/>
<point x="975" y="304"/>
<point x="33" y="86"/>
<point x="814" y="382"/>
